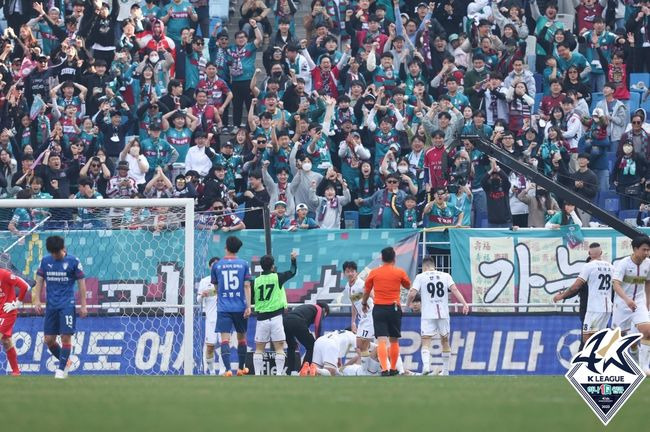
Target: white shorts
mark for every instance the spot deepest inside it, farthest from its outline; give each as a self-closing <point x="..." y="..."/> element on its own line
<point x="326" y="352"/>
<point x="624" y="318"/>
<point x="270" y="330"/>
<point x="211" y="335"/>
<point x="432" y="327"/>
<point x="366" y="328"/>
<point x="595" y="321"/>
<point x="353" y="370"/>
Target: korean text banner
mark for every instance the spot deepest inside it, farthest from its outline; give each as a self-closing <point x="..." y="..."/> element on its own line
<point x="525" y="266"/>
<point x="480" y="345"/>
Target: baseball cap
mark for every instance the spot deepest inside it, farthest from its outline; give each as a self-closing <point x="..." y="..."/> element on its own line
<point x="122" y="165"/>
<point x="302" y="206"/>
<point x="453" y="37"/>
<point x="280" y="203"/>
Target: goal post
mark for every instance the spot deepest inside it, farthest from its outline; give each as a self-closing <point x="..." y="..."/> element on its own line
<point x="102" y="236"/>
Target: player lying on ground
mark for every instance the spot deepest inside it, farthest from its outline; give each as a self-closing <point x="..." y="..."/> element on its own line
<point x="597" y="275"/>
<point x="354" y="367"/>
<point x="9" y="305"/>
<point x="434" y="287"/>
<point x="59" y="272"/>
<point x="207" y="297"/>
<point x="231" y="278"/>
<point x="365" y="329"/>
<point x="270" y="305"/>
<point x="632" y="275"/>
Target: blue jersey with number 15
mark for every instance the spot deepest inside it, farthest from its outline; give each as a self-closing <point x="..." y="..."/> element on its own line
<point x="229" y="275"/>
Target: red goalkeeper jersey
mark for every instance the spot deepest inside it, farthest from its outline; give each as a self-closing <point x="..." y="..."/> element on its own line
<point x="8" y="284"/>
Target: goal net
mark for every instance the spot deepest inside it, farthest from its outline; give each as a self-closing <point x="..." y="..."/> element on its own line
<point x="138" y="257"/>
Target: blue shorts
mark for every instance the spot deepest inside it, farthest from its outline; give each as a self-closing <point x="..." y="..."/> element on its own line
<point x="60" y="321"/>
<point x="227" y="320"/>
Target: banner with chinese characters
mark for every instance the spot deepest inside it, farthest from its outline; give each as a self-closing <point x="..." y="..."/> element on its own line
<point x="525" y="266"/>
<point x="139" y="269"/>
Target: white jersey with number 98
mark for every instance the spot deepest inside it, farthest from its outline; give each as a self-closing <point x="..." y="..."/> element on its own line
<point x="434" y="287"/>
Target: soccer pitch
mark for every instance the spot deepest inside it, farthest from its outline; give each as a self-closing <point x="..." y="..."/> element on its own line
<point x="477" y="404"/>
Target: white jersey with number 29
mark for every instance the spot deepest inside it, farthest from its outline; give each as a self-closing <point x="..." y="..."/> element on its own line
<point x="599" y="278"/>
<point x="434" y="287"/>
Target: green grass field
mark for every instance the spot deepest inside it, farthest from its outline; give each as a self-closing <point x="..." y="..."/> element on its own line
<point x="401" y="404"/>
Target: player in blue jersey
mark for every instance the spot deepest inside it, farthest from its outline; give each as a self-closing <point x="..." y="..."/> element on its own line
<point x="59" y="271"/>
<point x="231" y="277"/>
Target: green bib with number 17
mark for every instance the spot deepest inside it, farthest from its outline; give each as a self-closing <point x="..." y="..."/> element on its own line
<point x="269" y="295"/>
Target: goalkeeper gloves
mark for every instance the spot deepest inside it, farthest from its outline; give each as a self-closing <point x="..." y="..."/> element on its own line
<point x="11" y="306"/>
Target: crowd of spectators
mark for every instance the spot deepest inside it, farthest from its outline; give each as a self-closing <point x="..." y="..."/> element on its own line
<point x="358" y="122"/>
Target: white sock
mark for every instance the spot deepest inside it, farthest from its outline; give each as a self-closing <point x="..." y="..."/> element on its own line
<point x="365" y="359"/>
<point x="210" y="365"/>
<point x="644" y="356"/>
<point x="445" y="362"/>
<point x="426" y="360"/>
<point x="280" y="357"/>
<point x="258" y="363"/>
<point x="323" y="372"/>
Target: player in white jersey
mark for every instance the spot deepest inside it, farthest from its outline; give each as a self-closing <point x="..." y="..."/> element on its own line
<point x="632" y="275"/>
<point x="434" y="287"/>
<point x="365" y="330"/>
<point x="330" y="349"/>
<point x="598" y="275"/>
<point x="207" y="297"/>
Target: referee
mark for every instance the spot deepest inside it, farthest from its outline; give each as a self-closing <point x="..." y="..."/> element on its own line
<point x="386" y="281"/>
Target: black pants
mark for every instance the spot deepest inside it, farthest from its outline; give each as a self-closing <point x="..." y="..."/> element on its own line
<point x="241" y="95"/>
<point x="520" y="220"/>
<point x="387" y="320"/>
<point x="297" y="329"/>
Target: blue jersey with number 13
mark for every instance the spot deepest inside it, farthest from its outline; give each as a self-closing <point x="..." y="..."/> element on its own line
<point x="229" y="275"/>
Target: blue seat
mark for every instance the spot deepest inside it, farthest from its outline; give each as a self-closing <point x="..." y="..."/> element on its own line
<point x="627" y="214"/>
<point x="538" y="102"/>
<point x="595" y="98"/>
<point x="612" y="205"/>
<point x="483" y="223"/>
<point x="539" y="82"/>
<point x="639" y="76"/>
<point x="611" y="160"/>
<point x="602" y="196"/>
<point x="351" y="219"/>
<point x="646" y="106"/>
<point x="633" y="102"/>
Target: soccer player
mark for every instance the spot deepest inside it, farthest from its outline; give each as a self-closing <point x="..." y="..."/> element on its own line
<point x="9" y="305"/>
<point x="434" y="287"/>
<point x="231" y="277"/>
<point x="386" y="281"/>
<point x="59" y="271"/>
<point x="270" y="305"/>
<point x="207" y="296"/>
<point x="631" y="275"/>
<point x="597" y="274"/>
<point x="329" y="349"/>
<point x="365" y="329"/>
<point x="296" y="327"/>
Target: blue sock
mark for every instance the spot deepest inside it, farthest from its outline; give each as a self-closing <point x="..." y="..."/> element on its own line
<point x="55" y="350"/>
<point x="225" y="355"/>
<point x="242" y="349"/>
<point x="65" y="355"/>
